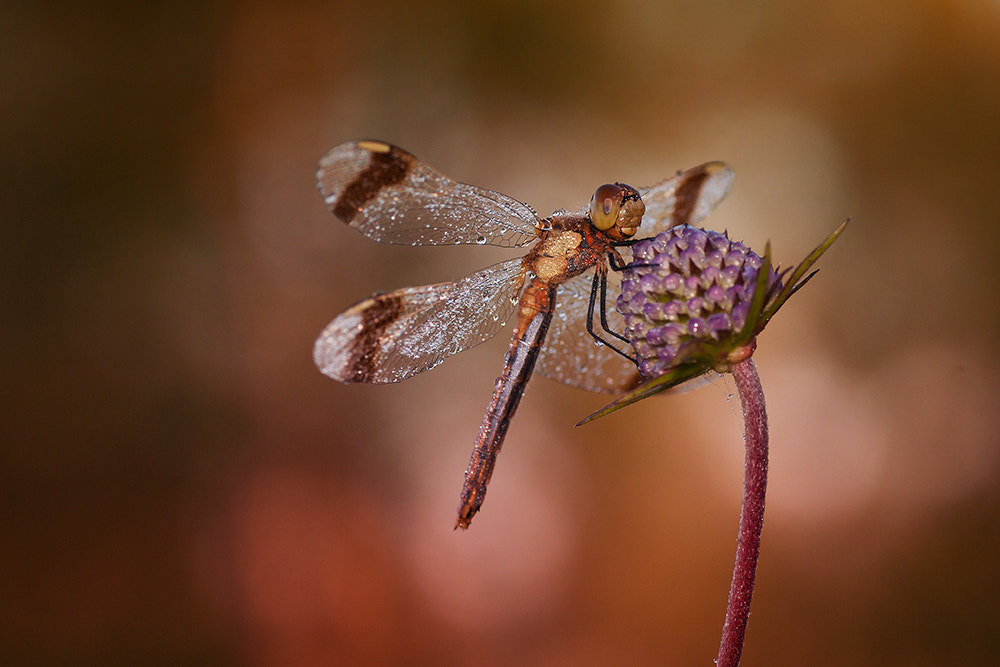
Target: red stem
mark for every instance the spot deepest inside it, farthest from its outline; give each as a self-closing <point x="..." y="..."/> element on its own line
<point x="751" y="515"/>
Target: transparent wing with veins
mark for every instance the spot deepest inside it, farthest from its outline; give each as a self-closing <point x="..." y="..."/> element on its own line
<point x="390" y="196"/>
<point x="670" y="202"/>
<point x="390" y="337"/>
<point x="571" y="355"/>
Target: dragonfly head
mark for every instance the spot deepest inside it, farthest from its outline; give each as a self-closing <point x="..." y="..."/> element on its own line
<point x="616" y="209"/>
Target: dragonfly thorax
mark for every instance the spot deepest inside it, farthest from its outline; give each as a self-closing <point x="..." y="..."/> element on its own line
<point x="550" y="259"/>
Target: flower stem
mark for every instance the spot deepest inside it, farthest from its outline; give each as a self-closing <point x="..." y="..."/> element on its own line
<point x="751" y="515"/>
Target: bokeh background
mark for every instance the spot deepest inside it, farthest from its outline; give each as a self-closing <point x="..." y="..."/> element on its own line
<point x="181" y="486"/>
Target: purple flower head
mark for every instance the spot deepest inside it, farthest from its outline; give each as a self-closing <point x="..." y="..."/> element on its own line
<point x="694" y="301"/>
<point x="699" y="285"/>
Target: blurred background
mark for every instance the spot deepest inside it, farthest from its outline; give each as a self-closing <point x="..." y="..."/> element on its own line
<point x="180" y="485"/>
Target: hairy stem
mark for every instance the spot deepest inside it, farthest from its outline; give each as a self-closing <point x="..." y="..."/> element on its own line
<point x="751" y="515"/>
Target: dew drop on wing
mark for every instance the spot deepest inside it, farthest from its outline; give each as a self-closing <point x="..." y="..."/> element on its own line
<point x="481" y="240"/>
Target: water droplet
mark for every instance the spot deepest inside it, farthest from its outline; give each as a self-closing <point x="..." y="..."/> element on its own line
<point x="481" y="240"/>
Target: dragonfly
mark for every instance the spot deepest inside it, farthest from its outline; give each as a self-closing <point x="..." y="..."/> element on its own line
<point x="555" y="293"/>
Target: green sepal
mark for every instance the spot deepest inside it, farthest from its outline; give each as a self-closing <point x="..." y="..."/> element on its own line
<point x="677" y="375"/>
<point x="753" y="323"/>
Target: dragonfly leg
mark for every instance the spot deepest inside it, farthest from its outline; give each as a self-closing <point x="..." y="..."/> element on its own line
<point x="600" y="286"/>
<point x="618" y="264"/>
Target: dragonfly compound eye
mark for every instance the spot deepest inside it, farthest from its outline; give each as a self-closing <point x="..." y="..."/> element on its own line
<point x="604" y="206"/>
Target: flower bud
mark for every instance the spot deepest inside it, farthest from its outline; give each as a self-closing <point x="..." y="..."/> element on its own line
<point x="686" y="298"/>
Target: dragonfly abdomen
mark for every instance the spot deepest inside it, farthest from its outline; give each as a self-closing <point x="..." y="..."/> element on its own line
<point x="534" y="316"/>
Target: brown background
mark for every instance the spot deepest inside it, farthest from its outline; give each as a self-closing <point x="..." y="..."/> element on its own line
<point x="180" y="485"/>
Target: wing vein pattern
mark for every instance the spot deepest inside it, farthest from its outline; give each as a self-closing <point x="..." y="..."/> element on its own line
<point x="390" y="337"/>
<point x="571" y="355"/>
<point x="392" y="197"/>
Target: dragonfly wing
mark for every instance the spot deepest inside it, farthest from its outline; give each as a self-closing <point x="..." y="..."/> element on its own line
<point x="571" y="354"/>
<point x="685" y="199"/>
<point x="390" y="337"/>
<point x="390" y="196"/>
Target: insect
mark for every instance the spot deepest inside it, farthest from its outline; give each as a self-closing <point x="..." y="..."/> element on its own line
<point x="553" y="293"/>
